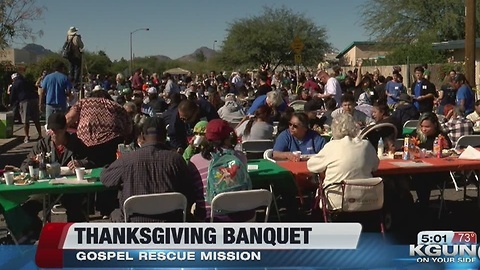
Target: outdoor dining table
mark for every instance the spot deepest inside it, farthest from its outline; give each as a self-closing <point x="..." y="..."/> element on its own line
<point x="393" y="167"/>
<point x="12" y="196"/>
<point x="263" y="174"/>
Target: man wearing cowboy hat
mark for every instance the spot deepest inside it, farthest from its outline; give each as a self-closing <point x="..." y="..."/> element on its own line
<point x="76" y="55"/>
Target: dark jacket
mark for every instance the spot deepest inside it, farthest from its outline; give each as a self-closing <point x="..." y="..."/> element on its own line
<point x="74" y="148"/>
<point x="22" y="90"/>
<point x="426" y="87"/>
<point x="178" y="131"/>
<point x="405" y="112"/>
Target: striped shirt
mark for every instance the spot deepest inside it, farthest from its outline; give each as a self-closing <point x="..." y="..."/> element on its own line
<point x="101" y="120"/>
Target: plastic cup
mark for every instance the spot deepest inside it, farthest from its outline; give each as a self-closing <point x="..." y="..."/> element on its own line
<point x="80" y="172"/>
<point x="298" y="154"/>
<point x="33" y="172"/>
<point x="9" y="178"/>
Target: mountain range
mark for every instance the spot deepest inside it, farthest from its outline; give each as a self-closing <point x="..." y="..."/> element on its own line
<point x="202" y="53"/>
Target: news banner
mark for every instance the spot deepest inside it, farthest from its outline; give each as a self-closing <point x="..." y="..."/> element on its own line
<point x="239" y="246"/>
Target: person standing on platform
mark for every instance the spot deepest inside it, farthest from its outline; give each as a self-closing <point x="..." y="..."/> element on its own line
<point x="75" y="58"/>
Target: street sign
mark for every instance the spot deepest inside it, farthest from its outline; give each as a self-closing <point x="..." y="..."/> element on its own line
<point x="297" y="45"/>
<point x="298" y="58"/>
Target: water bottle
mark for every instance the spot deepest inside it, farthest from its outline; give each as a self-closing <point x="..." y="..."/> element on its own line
<point x="381" y="148"/>
<point x="406" y="148"/>
<point x="437" y="147"/>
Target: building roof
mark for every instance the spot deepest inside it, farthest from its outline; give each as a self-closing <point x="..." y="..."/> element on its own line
<point x="355" y="43"/>
<point x="453" y="44"/>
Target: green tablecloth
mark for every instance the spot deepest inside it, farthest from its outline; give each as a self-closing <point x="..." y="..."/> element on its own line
<point x="271" y="173"/>
<point x="11" y="197"/>
<point x="408" y="130"/>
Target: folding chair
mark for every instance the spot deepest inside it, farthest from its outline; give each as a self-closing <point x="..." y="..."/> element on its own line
<point x="256" y="148"/>
<point x="347" y="198"/>
<point x="237" y="201"/>
<point x="411" y="124"/>
<point x="155" y="204"/>
<point x="464" y="142"/>
<point x="298" y="105"/>
<point x="375" y="128"/>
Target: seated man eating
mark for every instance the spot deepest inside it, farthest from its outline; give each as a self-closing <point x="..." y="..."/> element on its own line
<point x="67" y="150"/>
<point x="298" y="137"/>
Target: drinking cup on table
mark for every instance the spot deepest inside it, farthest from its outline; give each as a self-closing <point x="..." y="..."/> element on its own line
<point x="297" y="154"/>
<point x="80" y="172"/>
<point x="33" y="172"/>
<point x="9" y="178"/>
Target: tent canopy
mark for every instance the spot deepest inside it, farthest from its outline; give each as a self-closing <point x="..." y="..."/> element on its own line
<point x="177" y="71"/>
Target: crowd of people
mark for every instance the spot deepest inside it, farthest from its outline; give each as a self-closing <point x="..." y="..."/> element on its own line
<point x="175" y="122"/>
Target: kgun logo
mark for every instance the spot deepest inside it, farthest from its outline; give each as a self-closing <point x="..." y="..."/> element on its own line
<point x="445" y="253"/>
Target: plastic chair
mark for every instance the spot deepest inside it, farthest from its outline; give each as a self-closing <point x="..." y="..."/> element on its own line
<point x="298" y="105"/>
<point x="411" y="124"/>
<point x="155" y="204"/>
<point x="327" y="208"/>
<point x="268" y="155"/>
<point x="237" y="201"/>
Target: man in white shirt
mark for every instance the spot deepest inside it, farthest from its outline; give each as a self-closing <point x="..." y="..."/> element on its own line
<point x="332" y="87"/>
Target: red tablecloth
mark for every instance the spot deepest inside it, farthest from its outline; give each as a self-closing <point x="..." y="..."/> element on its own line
<point x="388" y="167"/>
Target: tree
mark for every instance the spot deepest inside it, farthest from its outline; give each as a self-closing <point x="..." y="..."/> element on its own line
<point x="15" y="16"/>
<point x="265" y="40"/>
<point x="97" y="63"/>
<point x="408" y="20"/>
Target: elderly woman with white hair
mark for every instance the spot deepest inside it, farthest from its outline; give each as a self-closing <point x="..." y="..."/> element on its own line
<point x="346" y="156"/>
<point x="273" y="99"/>
<point x="232" y="111"/>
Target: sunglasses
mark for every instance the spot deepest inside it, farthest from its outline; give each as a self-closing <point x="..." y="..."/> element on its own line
<point x="293" y="125"/>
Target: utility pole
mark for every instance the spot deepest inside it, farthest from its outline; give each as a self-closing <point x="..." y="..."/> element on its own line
<point x="470" y="44"/>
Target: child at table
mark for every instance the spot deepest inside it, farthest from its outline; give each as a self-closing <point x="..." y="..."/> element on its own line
<point x="197" y="142"/>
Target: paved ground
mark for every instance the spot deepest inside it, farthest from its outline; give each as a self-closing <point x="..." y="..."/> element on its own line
<point x="459" y="215"/>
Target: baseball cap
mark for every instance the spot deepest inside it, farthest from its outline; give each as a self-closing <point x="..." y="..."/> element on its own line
<point x="218" y="130"/>
<point x="56" y="121"/>
<point x="14" y="75"/>
<point x="152" y="90"/>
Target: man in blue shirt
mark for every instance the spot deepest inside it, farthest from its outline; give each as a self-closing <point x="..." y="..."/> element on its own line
<point x="56" y="86"/>
<point x="465" y="98"/>
<point x="423" y="92"/>
<point x="393" y="89"/>
<point x="298" y="137"/>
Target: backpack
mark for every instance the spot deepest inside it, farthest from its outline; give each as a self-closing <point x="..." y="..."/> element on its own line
<point x="226" y="172"/>
<point x="67" y="49"/>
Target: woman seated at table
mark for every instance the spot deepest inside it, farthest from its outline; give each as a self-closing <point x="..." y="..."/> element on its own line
<point x="360" y="162"/>
<point x="428" y="130"/>
<point x="298" y="137"/>
<point x="381" y="114"/>
<point x="220" y="137"/>
<point x="257" y="127"/>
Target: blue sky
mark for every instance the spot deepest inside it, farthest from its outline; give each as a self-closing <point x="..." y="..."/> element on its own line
<point x="179" y="27"/>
